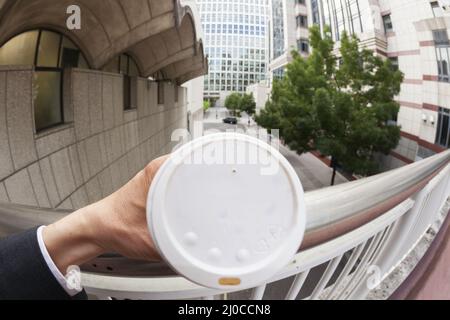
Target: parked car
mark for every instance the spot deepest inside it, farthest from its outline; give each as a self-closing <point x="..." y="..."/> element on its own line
<point x="230" y="120"/>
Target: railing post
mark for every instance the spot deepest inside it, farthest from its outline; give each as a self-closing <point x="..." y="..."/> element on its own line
<point x="410" y="228"/>
<point x="389" y="258"/>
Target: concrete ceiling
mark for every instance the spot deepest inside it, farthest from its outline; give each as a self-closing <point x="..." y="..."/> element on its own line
<point x="157" y="33"/>
<point x="179" y="69"/>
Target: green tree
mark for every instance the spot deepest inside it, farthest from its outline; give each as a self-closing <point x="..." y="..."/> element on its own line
<point x="233" y="102"/>
<point x="248" y="105"/>
<point x="206" y="105"/>
<point x="344" y="110"/>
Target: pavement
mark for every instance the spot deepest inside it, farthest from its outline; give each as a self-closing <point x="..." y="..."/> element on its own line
<point x="313" y="173"/>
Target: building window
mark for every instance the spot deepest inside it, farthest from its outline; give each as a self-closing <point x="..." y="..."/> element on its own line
<point x="440" y="37"/>
<point x="387" y="22"/>
<point x="278" y="28"/>
<point x="443" y="128"/>
<point x="71" y="56"/>
<point x="443" y="60"/>
<point x="303" y="45"/>
<point x="188" y="125"/>
<point x="20" y="50"/>
<point x="50" y="53"/>
<point x="302" y="21"/>
<point x="442" y="46"/>
<point x="302" y="2"/>
<point x="437" y="10"/>
<point x="278" y="74"/>
<point x="160" y="92"/>
<point x="176" y="92"/>
<point x="129" y="69"/>
<point x="343" y="15"/>
<point x="394" y="63"/>
<point x="315" y="12"/>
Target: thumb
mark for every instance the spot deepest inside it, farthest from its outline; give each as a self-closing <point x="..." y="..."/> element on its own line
<point x="152" y="168"/>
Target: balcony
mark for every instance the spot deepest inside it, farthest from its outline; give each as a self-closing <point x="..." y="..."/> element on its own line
<point x="360" y="243"/>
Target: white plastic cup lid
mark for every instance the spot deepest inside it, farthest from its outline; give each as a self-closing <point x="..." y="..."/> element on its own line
<point x="227" y="211"/>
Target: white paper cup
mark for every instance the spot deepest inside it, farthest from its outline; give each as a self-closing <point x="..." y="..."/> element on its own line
<point x="229" y="224"/>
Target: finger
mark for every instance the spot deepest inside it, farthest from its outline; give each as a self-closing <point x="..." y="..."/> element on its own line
<point x="151" y="170"/>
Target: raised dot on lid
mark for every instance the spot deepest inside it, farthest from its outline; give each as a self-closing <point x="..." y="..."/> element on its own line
<point x="215" y="253"/>
<point x="191" y="238"/>
<point x="243" y="255"/>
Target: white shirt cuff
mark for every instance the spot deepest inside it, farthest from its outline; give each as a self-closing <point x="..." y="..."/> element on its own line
<point x="51" y="265"/>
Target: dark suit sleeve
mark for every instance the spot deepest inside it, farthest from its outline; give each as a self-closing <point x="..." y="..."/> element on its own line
<point x="24" y="274"/>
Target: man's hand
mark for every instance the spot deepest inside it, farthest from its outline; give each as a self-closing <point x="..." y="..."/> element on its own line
<point x="117" y="224"/>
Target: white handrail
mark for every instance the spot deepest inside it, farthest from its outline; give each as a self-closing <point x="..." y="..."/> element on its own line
<point x="381" y="243"/>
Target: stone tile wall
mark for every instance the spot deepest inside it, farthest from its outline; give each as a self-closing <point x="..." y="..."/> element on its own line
<point x="94" y="154"/>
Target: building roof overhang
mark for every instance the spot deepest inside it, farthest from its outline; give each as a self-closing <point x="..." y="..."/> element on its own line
<point x="159" y="34"/>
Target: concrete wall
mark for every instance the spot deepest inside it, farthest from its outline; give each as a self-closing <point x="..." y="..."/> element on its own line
<point x="412" y="43"/>
<point x="194" y="102"/>
<point x="87" y="159"/>
<point x="261" y="93"/>
<point x="220" y="103"/>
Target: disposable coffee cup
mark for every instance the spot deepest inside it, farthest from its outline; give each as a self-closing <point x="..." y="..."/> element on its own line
<point x="227" y="211"/>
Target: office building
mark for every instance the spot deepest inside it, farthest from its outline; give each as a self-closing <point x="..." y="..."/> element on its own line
<point x="236" y="43"/>
<point x="414" y="35"/>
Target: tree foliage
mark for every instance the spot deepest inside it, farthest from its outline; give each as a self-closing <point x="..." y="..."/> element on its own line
<point x="232" y="103"/>
<point x="238" y="103"/>
<point x="248" y="104"/>
<point x="206" y="105"/>
<point x="342" y="107"/>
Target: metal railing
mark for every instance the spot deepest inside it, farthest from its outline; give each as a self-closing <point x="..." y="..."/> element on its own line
<point x="357" y="233"/>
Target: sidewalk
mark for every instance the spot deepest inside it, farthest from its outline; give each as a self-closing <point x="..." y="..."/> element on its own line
<point x="313" y="173"/>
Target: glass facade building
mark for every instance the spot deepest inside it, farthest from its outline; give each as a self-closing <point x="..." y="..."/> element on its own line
<point x="278" y="28"/>
<point x="236" y="42"/>
<point x="289" y="23"/>
<point x="343" y="15"/>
